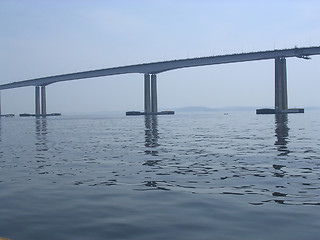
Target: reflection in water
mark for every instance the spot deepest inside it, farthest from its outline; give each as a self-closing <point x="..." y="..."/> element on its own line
<point x="41" y="134"/>
<point x="151" y="134"/>
<point x="282" y="133"/>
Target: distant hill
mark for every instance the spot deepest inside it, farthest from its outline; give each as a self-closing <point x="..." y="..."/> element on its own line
<point x="206" y="109"/>
<point x="312" y="108"/>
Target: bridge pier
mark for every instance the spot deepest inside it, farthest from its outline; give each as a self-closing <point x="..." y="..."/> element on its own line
<point x="0" y="105"/>
<point x="147" y="94"/>
<point x="281" y="91"/>
<point x="40" y="104"/>
<point x="154" y="99"/>
<point x="43" y="106"/>
<point x="43" y="101"/>
<point x="150" y="94"/>
<point x="150" y="98"/>
<point x="37" y="100"/>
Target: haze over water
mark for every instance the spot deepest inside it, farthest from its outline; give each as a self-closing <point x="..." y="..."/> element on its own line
<point x="187" y="176"/>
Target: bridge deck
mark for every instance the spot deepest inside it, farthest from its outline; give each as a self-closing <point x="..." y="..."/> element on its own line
<point x="158" y="67"/>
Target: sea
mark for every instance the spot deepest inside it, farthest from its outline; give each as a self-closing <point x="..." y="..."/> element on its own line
<point x="192" y="175"/>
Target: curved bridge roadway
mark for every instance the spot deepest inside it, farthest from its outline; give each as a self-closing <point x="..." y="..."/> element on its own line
<point x="158" y="67"/>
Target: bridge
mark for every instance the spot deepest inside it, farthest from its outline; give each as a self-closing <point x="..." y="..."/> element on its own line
<point x="151" y="70"/>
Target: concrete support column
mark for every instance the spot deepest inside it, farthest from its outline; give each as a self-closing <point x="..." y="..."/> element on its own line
<point x="37" y="100"/>
<point x="284" y="83"/>
<point x="43" y="100"/>
<point x="0" y="104"/>
<point x="154" y="103"/>
<point x="281" y="95"/>
<point x="278" y="89"/>
<point x="147" y="105"/>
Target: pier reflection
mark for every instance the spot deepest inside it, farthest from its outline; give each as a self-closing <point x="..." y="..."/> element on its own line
<point x="151" y="134"/>
<point x="41" y="134"/>
<point x="282" y="133"/>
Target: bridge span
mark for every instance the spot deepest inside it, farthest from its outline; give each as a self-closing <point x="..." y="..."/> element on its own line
<point x="150" y="71"/>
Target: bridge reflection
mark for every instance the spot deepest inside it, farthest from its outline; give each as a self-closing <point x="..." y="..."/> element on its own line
<point x="151" y="134"/>
<point x="282" y="133"/>
<point x="41" y="134"/>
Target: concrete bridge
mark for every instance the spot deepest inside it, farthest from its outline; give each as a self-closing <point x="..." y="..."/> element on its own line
<point x="150" y="71"/>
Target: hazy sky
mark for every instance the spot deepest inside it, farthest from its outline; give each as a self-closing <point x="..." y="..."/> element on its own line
<point x="40" y="38"/>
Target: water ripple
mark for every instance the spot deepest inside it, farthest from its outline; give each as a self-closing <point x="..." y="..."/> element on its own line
<point x="116" y="165"/>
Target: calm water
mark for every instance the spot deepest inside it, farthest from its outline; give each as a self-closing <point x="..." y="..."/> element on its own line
<point x="188" y="176"/>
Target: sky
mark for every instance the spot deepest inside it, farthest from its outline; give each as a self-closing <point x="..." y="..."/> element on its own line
<point x="40" y="38"/>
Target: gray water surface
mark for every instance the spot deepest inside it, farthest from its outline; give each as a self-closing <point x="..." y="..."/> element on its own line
<point x="187" y="176"/>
